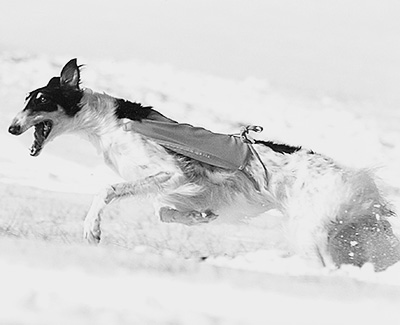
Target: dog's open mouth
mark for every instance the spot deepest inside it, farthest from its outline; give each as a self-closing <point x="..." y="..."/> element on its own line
<point x="42" y="131"/>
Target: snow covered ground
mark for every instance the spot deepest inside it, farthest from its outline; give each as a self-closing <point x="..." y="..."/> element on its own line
<point x="145" y="285"/>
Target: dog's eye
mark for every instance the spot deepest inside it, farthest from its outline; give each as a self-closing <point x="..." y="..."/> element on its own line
<point x="43" y="99"/>
<point x="40" y="99"/>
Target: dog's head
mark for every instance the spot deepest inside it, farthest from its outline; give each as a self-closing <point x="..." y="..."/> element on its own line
<point x="50" y="109"/>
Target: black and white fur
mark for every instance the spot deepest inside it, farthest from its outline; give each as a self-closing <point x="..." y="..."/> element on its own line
<point x="333" y="212"/>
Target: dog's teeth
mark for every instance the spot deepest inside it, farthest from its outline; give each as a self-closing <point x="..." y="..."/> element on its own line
<point x="32" y="150"/>
<point x="46" y="129"/>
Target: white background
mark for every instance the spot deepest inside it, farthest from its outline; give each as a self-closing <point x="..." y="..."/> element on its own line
<point x="346" y="49"/>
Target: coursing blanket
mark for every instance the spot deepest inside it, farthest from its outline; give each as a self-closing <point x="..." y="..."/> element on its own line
<point x="220" y="150"/>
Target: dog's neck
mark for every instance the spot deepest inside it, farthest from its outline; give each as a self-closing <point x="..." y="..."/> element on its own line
<point x="96" y="120"/>
<point x="97" y="112"/>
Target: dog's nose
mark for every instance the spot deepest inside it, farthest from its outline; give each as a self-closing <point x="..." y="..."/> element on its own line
<point x="15" y="129"/>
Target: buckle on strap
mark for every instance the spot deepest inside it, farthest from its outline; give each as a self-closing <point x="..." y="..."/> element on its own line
<point x="245" y="130"/>
<point x="246" y="138"/>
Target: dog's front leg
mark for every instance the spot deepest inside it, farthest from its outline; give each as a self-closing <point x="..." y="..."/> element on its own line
<point x="91" y="227"/>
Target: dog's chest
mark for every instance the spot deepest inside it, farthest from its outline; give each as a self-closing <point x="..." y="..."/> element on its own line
<point x="134" y="157"/>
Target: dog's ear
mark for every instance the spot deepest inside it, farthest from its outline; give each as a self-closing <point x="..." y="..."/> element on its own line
<point x="70" y="76"/>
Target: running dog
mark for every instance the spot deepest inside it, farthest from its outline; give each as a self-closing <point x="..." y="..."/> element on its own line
<point x="333" y="212"/>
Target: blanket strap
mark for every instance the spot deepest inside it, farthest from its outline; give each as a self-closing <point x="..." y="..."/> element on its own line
<point x="246" y="138"/>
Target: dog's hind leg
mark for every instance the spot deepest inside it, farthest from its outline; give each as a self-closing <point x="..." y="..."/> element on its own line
<point x="189" y="218"/>
<point x="149" y="184"/>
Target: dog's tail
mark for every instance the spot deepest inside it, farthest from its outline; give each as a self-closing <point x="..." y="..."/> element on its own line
<point x="362" y="232"/>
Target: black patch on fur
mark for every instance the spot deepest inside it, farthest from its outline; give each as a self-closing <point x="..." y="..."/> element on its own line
<point x="132" y="111"/>
<point x="54" y="94"/>
<point x="278" y="147"/>
<point x="138" y="112"/>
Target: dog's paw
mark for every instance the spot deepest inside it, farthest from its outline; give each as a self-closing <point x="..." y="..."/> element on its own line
<point x="91" y="231"/>
<point x="187" y="218"/>
<point x="194" y="217"/>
